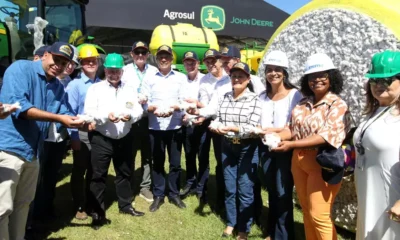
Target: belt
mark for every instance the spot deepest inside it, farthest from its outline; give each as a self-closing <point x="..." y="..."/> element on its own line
<point x="237" y="141"/>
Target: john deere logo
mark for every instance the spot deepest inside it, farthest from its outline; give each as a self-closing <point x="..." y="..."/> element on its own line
<point x="213" y="17"/>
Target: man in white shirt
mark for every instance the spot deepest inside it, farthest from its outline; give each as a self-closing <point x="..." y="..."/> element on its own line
<point x="165" y="90"/>
<point x="195" y="180"/>
<point x="114" y="107"/>
<point x="134" y="73"/>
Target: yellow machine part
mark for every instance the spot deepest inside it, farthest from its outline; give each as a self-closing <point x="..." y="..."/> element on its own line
<point x="251" y="57"/>
<point x="387" y="12"/>
<point x="182" y="33"/>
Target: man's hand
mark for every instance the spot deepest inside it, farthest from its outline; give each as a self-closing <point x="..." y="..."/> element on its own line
<point x="284" y="146"/>
<point x="152" y="109"/>
<point x="11" y="109"/>
<point x="394" y="212"/>
<point x="198" y="121"/>
<point x="112" y="118"/>
<point x="76" y="145"/>
<point x="175" y="107"/>
<point x="71" y="121"/>
<point x="193" y="111"/>
<point x="88" y="127"/>
<point x="126" y="118"/>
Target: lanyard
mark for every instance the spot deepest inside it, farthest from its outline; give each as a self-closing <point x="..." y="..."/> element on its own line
<point x="365" y="127"/>
<point x="140" y="76"/>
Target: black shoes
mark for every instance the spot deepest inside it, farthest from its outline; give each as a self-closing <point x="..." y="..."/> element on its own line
<point x="186" y="191"/>
<point x="158" y="201"/>
<point x="99" y="221"/>
<point x="177" y="202"/>
<point x="131" y="211"/>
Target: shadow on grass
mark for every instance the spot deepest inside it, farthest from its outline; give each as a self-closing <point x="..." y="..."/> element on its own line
<point x="64" y="206"/>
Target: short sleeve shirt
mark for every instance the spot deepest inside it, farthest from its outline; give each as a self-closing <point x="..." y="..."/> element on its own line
<point x="326" y="118"/>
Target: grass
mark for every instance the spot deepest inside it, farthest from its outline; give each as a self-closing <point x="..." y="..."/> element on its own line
<point x="168" y="222"/>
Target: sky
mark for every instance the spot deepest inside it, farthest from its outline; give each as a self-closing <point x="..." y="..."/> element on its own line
<point x="288" y="6"/>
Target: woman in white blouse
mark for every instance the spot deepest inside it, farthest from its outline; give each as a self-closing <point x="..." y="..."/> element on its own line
<point x="238" y="113"/>
<point x="277" y="102"/>
<point x="377" y="142"/>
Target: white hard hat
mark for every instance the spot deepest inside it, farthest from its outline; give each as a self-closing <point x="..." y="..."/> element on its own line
<point x="318" y="62"/>
<point x="75" y="57"/>
<point x="277" y="58"/>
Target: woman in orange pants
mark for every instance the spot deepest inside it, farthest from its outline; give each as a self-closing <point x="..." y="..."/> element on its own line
<point x="318" y="120"/>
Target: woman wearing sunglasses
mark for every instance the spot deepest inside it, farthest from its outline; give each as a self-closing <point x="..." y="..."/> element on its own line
<point x="377" y="142"/>
<point x="318" y="120"/>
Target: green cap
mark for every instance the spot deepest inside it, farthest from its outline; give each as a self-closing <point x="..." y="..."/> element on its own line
<point x="384" y="64"/>
<point x="114" y="60"/>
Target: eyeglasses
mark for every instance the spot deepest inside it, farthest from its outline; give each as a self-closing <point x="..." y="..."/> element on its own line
<point x="138" y="52"/>
<point x="382" y="81"/>
<point x="320" y="76"/>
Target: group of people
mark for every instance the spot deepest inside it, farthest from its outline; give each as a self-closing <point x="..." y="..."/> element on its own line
<point x="157" y="110"/>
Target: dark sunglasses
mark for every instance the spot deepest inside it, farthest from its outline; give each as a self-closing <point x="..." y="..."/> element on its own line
<point x="383" y="81"/>
<point x="138" y="52"/>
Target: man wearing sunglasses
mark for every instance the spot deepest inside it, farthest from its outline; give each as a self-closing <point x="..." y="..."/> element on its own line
<point x="134" y="73"/>
<point x="41" y="98"/>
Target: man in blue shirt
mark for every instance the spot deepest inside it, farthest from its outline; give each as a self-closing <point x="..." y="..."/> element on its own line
<point x="35" y="87"/>
<point x="76" y="91"/>
<point x="165" y="89"/>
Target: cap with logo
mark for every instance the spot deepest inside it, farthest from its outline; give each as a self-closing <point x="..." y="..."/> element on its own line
<point x="61" y="49"/>
<point x="241" y="66"/>
<point x="276" y="58"/>
<point x="230" y="51"/>
<point x="332" y="164"/>
<point x="190" y="55"/>
<point x="318" y="62"/>
<point x="211" y="53"/>
<point x="75" y="57"/>
<point x="40" y="51"/>
<point x="114" y="60"/>
<point x="164" y="48"/>
<point x="384" y="64"/>
<point x="139" y="44"/>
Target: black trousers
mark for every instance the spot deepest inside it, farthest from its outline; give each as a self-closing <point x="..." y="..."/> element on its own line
<point x="120" y="150"/>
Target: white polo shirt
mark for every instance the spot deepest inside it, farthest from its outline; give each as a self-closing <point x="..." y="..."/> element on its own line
<point x="102" y="99"/>
<point x="133" y="74"/>
<point x="194" y="86"/>
<point x="207" y="86"/>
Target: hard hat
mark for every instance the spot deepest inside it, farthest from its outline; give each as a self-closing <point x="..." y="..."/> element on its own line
<point x="88" y="51"/>
<point x="318" y="62"/>
<point x="277" y="58"/>
<point x="114" y="60"/>
<point x="384" y="64"/>
<point x="75" y="57"/>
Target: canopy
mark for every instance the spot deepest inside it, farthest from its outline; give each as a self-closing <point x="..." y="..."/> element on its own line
<point x="237" y="18"/>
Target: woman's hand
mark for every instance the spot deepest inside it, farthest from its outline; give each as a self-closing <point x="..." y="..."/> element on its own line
<point x="223" y="130"/>
<point x="284" y="146"/>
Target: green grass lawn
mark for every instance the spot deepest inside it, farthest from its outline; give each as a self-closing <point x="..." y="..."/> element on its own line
<point x="168" y="222"/>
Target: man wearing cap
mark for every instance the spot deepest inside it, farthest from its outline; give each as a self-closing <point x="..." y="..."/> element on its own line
<point x="195" y="181"/>
<point x="135" y="73"/>
<point x="165" y="90"/>
<point x="114" y="106"/>
<point x="230" y="56"/>
<point x="76" y="91"/>
<point x="51" y="160"/>
<point x="41" y="98"/>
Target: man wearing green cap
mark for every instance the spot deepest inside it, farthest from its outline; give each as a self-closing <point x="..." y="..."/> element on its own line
<point x="114" y="107"/>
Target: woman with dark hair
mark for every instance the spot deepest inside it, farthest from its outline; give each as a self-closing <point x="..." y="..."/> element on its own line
<point x="277" y="102"/>
<point x="317" y="121"/>
<point x="377" y="142"/>
<point x="238" y="113"/>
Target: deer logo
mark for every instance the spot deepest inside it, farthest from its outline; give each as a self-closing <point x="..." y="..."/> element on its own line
<point x="213" y="17"/>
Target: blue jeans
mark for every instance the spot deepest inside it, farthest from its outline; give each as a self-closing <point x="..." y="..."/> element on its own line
<point x="194" y="144"/>
<point x="240" y="163"/>
<point x="279" y="180"/>
<point x="170" y="140"/>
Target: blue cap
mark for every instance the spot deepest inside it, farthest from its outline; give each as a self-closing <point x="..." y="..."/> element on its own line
<point x="331" y="161"/>
<point x="190" y="55"/>
<point x="164" y="48"/>
<point x="140" y="44"/>
<point x="62" y="49"/>
<point x="211" y="53"/>
<point x="240" y="66"/>
<point x="40" y="51"/>
<point x="230" y="51"/>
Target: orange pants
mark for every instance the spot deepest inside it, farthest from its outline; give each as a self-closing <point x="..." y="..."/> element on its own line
<point x="315" y="195"/>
